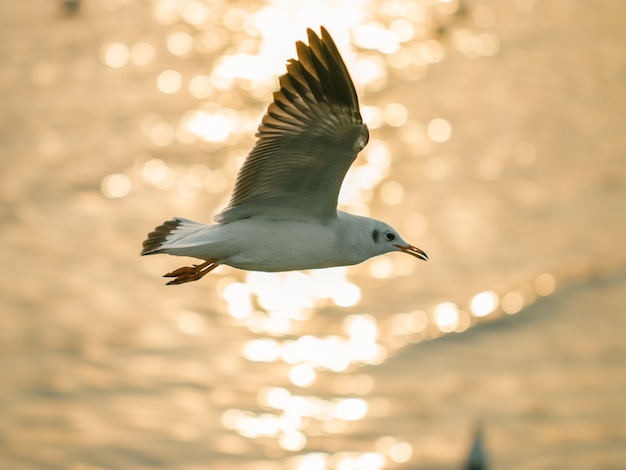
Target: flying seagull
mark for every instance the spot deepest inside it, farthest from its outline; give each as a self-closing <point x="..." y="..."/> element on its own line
<point x="282" y="215"/>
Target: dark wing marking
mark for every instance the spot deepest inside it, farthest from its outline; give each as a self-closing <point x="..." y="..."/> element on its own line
<point x="158" y="236"/>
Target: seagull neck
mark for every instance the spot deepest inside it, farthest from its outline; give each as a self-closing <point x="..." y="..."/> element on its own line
<point x="354" y="236"/>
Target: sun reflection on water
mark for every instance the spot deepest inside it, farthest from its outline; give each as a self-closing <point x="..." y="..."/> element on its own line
<point x="512" y="302"/>
<point x="169" y="81"/>
<point x="399" y="40"/>
<point x="115" y="55"/>
<point x="484" y="303"/>
<point x="115" y="186"/>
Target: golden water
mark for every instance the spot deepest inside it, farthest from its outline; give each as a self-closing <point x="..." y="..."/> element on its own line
<point x="496" y="145"/>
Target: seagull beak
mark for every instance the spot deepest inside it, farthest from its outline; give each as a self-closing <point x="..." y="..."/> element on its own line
<point x="413" y="250"/>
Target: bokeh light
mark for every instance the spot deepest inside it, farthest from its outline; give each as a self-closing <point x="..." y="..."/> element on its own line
<point x="302" y="375"/>
<point x="293" y="441"/>
<point x="395" y="114"/>
<point x="512" y="302"/>
<point x="401" y="452"/>
<point x="545" y="284"/>
<point x="115" y="186"/>
<point x="179" y="43"/>
<point x="439" y="130"/>
<point x="392" y="193"/>
<point x="484" y="303"/>
<point x="315" y="461"/>
<point x="115" y="54"/>
<point x="347" y="296"/>
<point x="381" y="267"/>
<point x="262" y="350"/>
<point x="211" y="127"/>
<point x="169" y="81"/>
<point x="446" y="316"/>
<point x="350" y="409"/>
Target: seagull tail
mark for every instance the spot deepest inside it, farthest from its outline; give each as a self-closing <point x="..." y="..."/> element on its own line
<point x="171" y="236"/>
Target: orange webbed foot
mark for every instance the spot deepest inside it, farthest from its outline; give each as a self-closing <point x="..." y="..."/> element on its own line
<point x="191" y="273"/>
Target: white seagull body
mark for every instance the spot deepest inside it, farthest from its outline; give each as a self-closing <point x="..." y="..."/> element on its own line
<point x="283" y="214"/>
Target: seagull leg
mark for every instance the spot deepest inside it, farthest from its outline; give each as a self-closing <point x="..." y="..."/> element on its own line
<point x="191" y="273"/>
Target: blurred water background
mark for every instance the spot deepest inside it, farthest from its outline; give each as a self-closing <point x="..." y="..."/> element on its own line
<point x="497" y="145"/>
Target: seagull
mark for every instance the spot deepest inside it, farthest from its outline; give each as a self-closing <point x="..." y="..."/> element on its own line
<point x="282" y="215"/>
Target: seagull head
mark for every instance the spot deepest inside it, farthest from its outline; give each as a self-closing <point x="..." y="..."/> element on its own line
<point x="363" y="237"/>
<point x="385" y="239"/>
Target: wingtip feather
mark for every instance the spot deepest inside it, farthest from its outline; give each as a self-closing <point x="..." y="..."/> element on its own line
<point x="156" y="238"/>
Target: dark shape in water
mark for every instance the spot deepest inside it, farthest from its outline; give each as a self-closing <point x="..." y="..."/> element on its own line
<point x="477" y="458"/>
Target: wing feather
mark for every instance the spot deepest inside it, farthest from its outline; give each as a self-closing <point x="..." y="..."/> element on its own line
<point x="306" y="141"/>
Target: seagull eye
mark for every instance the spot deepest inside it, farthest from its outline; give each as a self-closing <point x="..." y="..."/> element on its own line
<point x="390" y="236"/>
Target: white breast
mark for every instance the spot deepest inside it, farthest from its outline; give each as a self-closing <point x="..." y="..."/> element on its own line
<point x="265" y="245"/>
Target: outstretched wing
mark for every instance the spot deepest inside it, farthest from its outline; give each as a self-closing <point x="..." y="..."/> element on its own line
<point x="307" y="140"/>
